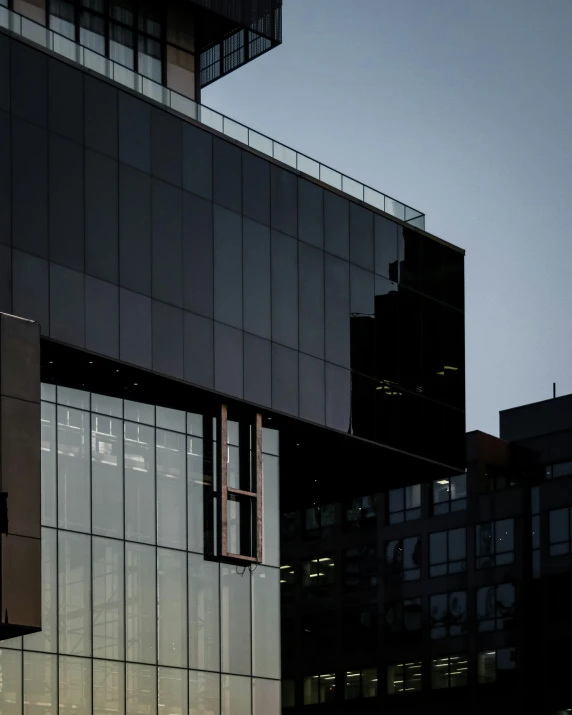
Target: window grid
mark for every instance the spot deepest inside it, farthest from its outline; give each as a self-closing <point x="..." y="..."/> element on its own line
<point x="495" y="665"/>
<point x="404" y="504"/>
<point x="449" y="672"/>
<point x="404" y="678"/>
<point x="495" y="543"/>
<point x="496" y="607"/>
<point x="560" y="531"/>
<point x="360" y="684"/>
<point x="89" y="624"/>
<point x="319" y="689"/>
<point x="448" y="613"/>
<point x="447" y="552"/>
<point x="403" y="558"/>
<point x="450" y="494"/>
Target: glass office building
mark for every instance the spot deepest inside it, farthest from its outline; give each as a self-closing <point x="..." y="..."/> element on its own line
<point x="241" y="349"/>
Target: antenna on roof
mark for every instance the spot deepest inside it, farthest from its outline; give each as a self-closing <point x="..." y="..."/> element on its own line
<point x="553" y="390"/>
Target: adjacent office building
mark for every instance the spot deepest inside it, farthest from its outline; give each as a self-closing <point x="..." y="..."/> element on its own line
<point x="216" y="330"/>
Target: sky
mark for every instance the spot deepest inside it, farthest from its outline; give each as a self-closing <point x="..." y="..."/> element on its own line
<point x="463" y="110"/>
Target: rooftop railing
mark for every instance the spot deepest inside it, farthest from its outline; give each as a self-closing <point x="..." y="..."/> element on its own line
<point x="95" y="62"/>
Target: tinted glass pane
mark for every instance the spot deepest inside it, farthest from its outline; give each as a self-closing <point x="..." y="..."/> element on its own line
<point x="311" y="295"/>
<point x="266" y="622"/>
<point x="228" y="360"/>
<point x="171" y="490"/>
<point x="257" y="370"/>
<point x="236" y="695"/>
<point x="166" y="147"/>
<point x="284" y="380"/>
<point x="108" y="599"/>
<point x="167" y="249"/>
<point x="310" y="213"/>
<point x="4" y="72"/>
<point x="284" y="290"/>
<point x="338" y="398"/>
<point x="29" y="84"/>
<point x="204" y="693"/>
<point x="195" y="493"/>
<point x="198" y="350"/>
<point x="504" y="533"/>
<point x="167" y="339"/>
<point x="108" y="687"/>
<point x="172" y="607"/>
<point x="284" y="201"/>
<point x="438" y="547"/>
<point x="558" y="525"/>
<point x="5" y="170"/>
<point x="135" y="328"/>
<point x="74" y="593"/>
<point x="101" y="216"/>
<point x="386" y="250"/>
<point x="235" y="621"/>
<point x="361" y="236"/>
<point x="101" y="118"/>
<point x="336" y="225"/>
<point x="139" y="483"/>
<point x="337" y="311"/>
<point x="197" y="161"/>
<point x="228" y="267"/>
<point x="66" y="101"/>
<point x="141" y="689"/>
<point x="140" y="603"/>
<point x="198" y="255"/>
<point x="73" y="469"/>
<point x="134" y="132"/>
<point x="256" y="188"/>
<point x="312" y="389"/>
<point x="107" y="476"/>
<point x="46" y="640"/>
<point x="134" y="230"/>
<point x="256" y="270"/>
<point x="227" y="175"/>
<point x="102" y="317"/>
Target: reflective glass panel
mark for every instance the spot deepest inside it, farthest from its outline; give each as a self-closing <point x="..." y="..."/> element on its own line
<point x="73" y="469"/>
<point x="74" y="686"/>
<point x="171" y="489"/>
<point x="74" y="577"/>
<point x="141" y="687"/>
<point x="139" y="482"/>
<point x="172" y="607"/>
<point x="108" y="688"/>
<point x="140" y="603"/>
<point x="107" y="475"/>
<point x="204" y="693"/>
<point x="108" y="599"/>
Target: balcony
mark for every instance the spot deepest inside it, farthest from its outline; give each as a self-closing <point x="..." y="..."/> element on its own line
<point x="99" y="64"/>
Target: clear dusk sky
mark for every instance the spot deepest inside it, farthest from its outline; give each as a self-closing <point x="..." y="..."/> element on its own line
<point x="463" y="110"/>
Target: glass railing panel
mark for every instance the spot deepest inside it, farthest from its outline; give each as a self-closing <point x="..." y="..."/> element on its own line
<point x="353" y="188"/>
<point x="125" y="76"/>
<point x="155" y="91"/>
<point x="65" y="48"/>
<point x="97" y="63"/>
<point x="374" y="198"/>
<point x="308" y="166"/>
<point x="395" y="208"/>
<point x="418" y="222"/>
<point x="260" y="142"/>
<point x="284" y="154"/>
<point x="183" y="104"/>
<point x="210" y="118"/>
<point x="34" y="32"/>
<point x="4" y="17"/>
<point x="331" y="177"/>
<point x="235" y="130"/>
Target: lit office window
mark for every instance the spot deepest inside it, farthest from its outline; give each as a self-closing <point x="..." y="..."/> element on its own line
<point x="361" y="684"/>
<point x="560" y="538"/>
<point x="404" y="678"/>
<point x="449" y="672"/>
<point x="319" y="576"/>
<point x="450" y="494"/>
<point x="497" y="666"/>
<point x="448" y="614"/>
<point x="447" y="552"/>
<point x="319" y="689"/>
<point x="496" y="607"/>
<point x="403" y="558"/>
<point x="404" y="504"/>
<point x="495" y="543"/>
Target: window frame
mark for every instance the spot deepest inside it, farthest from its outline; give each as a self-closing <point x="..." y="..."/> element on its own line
<point x="396" y="569"/>
<point x="406" y="675"/>
<point x="496" y="557"/>
<point x="450" y="661"/>
<point x="330" y="677"/>
<point x="405" y="513"/>
<point x="436" y="568"/>
<point x="400" y="607"/>
<point x="359" y="675"/>
<point x="449" y="485"/>
<point x="498" y="620"/>
<point x="448" y="626"/>
<point x="555" y="547"/>
<point x="481" y="655"/>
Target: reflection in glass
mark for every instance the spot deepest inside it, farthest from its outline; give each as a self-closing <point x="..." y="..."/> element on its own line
<point x="140" y="601"/>
<point x="108" y="688"/>
<point x="74" y="686"/>
<point x="173" y="691"/>
<point x="203" y="613"/>
<point x="270" y="506"/>
<point x="404" y="678"/>
<point x="92" y="32"/>
<point x="74" y="580"/>
<point x="10" y="682"/>
<point x="141" y="687"/>
<point x="107" y="475"/>
<point x="266" y="622"/>
<point x="40" y="683"/>
<point x="62" y="18"/>
<point x="204" y="693"/>
<point x="267" y="696"/>
<point x="108" y="599"/>
<point x="235" y="620"/>
<point x="46" y="639"/>
<point x="171" y="489"/>
<point x="195" y="486"/>
<point x="48" y="447"/>
<point x="235" y="695"/>
<point x="73" y="469"/>
<point x="139" y="482"/>
<point x="149" y="59"/>
<point x="172" y="607"/>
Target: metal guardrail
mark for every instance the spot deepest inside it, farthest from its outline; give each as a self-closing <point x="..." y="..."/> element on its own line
<point x="65" y="47"/>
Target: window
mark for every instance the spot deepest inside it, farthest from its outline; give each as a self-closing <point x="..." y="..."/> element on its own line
<point x="450" y="494"/>
<point x="360" y="629"/>
<point x="448" y="614"/>
<point x="495" y="543"/>
<point x="403" y="558"/>
<point x="497" y="666"/>
<point x="563" y="469"/>
<point x="403" y="617"/>
<point x="319" y="689"/>
<point x="404" y="678"/>
<point x="535" y="528"/>
<point x="559" y="531"/>
<point x="320" y="521"/>
<point x="361" y="684"/>
<point x="447" y="552"/>
<point x="360" y="569"/>
<point x="404" y="504"/>
<point x="287" y="582"/>
<point x="361" y="511"/>
<point x="496" y="607"/>
<point x="288" y="694"/>
<point x="449" y="672"/>
<point x="319" y="576"/>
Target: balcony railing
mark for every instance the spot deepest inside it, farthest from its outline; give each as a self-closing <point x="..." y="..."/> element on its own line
<point x="95" y="62"/>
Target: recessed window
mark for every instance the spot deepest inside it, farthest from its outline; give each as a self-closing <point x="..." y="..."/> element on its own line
<point x="404" y="504"/>
<point x="403" y="558"/>
<point x="361" y="511"/>
<point x="404" y="678"/>
<point x="403" y="617"/>
<point x="560" y="538"/>
<point x="319" y="576"/>
<point x="320" y="689"/>
<point x="496" y="607"/>
<point x="449" y="672"/>
<point x="447" y="552"/>
<point x="448" y="613"/>
<point x="497" y="666"/>
<point x="495" y="543"/>
<point x="450" y="494"/>
<point x="361" y="684"/>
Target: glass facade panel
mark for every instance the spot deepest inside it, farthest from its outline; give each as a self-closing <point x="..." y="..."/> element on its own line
<point x="236" y="695"/>
<point x="235" y="620"/>
<point x="172" y="607"/>
<point x="139" y="482"/>
<point x="74" y="590"/>
<point x="74" y="486"/>
<point x="266" y="697"/>
<point x="10" y="682"/>
<point x="266" y="622"/>
<point x="108" y="599"/>
<point x="141" y="689"/>
<point x="46" y="639"/>
<point x="107" y="475"/>
<point x="48" y="431"/>
<point x="204" y="614"/>
<point x="108" y="688"/>
<point x="74" y="686"/>
<point x="171" y="489"/>
<point x="173" y="691"/>
<point x="195" y="493"/>
<point x="40" y="684"/>
<point x="204" y="693"/>
<point x="140" y="603"/>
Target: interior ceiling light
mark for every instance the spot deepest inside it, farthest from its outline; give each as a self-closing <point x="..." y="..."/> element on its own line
<point x="441" y="373"/>
<point x="450" y="367"/>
